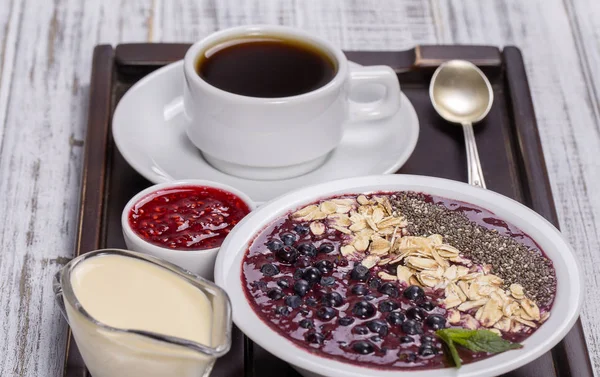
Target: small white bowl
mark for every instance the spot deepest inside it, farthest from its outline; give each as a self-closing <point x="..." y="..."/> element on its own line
<point x="564" y="313"/>
<point x="200" y="262"/>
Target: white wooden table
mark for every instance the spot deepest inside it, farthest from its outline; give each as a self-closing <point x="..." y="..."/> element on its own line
<point x="45" y="55"/>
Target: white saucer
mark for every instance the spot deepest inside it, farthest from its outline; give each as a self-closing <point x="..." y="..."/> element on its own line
<point x="153" y="141"/>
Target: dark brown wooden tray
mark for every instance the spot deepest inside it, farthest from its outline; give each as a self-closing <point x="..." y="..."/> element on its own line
<point x="508" y="142"/>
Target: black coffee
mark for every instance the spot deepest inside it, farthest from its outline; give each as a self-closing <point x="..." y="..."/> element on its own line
<point x="266" y="67"/>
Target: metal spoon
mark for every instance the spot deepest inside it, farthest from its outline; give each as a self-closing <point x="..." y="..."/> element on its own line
<point x="462" y="94"/>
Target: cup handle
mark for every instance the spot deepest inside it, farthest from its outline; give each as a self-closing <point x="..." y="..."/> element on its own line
<point x="384" y="107"/>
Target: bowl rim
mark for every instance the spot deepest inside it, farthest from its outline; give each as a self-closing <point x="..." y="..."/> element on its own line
<point x="129" y="232"/>
<point x="566" y="307"/>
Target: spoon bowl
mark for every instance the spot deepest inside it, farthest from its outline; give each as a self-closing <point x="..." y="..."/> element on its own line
<point x="461" y="94"/>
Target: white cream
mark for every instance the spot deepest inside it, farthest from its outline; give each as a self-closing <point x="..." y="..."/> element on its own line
<point x="128" y="293"/>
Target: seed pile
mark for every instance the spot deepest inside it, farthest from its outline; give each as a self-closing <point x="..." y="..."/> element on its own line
<point x="511" y="260"/>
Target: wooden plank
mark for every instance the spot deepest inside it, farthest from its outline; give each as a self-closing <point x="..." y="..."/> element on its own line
<point x="565" y="108"/>
<point x="46" y="57"/>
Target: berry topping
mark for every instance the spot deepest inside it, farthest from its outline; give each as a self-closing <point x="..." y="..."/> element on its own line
<point x="360" y="290"/>
<point x="307" y="249"/>
<point x="301" y="287"/>
<point x="395" y="318"/>
<point x="363" y="347"/>
<point x="314" y="337"/>
<point x="275" y="294"/>
<point x="326" y="313"/>
<point x="287" y="254"/>
<point x="326" y="248"/>
<point x="332" y="299"/>
<point x="414" y="293"/>
<point x="363" y="309"/>
<point x="387" y="306"/>
<point x="293" y="301"/>
<point x="288" y="239"/>
<point x="274" y="245"/>
<point x="359" y="273"/>
<point x="436" y="321"/>
<point x="269" y="269"/>
<point x="416" y="313"/>
<point x="324" y="266"/>
<point x="378" y="326"/>
<point x="306" y="324"/>
<point x="412" y="327"/>
<point x="389" y="289"/>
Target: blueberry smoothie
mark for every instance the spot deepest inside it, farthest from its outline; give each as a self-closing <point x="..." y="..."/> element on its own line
<point x="360" y="279"/>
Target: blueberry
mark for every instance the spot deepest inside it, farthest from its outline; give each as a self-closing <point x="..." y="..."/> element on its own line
<point x="261" y="285"/>
<point x="288" y="238"/>
<point x="406" y="339"/>
<point x="332" y="299"/>
<point x="327" y="281"/>
<point x="326" y="248"/>
<point x="269" y="269"/>
<point x="324" y="266"/>
<point x="360" y="273"/>
<point x="389" y="289"/>
<point x="311" y="302"/>
<point x="395" y="318"/>
<point x="427" y="305"/>
<point x="363" y="309"/>
<point x="369" y="297"/>
<point x="436" y="321"/>
<point x="359" y="290"/>
<point x="378" y="326"/>
<point x="304" y="311"/>
<point x="311" y="275"/>
<point x="407" y="356"/>
<point x="275" y="293"/>
<point x="306" y="324"/>
<point x="293" y="301"/>
<point x="303" y="261"/>
<point x="375" y="283"/>
<point x="325" y="313"/>
<point x="298" y="273"/>
<point x="427" y="350"/>
<point x="283" y="283"/>
<point x="307" y="249"/>
<point x="346" y="321"/>
<point x="274" y="245"/>
<point x="282" y="310"/>
<point x="414" y="292"/>
<point x="287" y="254"/>
<point x="301" y="229"/>
<point x="363" y="347"/>
<point x="429" y="339"/>
<point x="416" y="313"/>
<point x="314" y="337"/>
<point x="301" y="287"/>
<point x="387" y="306"/>
<point x="412" y="327"/>
<point x="375" y="338"/>
<point x="360" y="330"/>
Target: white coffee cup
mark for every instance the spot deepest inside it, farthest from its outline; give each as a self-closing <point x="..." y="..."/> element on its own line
<point x="278" y="138"/>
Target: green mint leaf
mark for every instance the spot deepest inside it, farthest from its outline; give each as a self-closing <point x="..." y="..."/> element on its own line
<point x="450" y="345"/>
<point x="478" y="340"/>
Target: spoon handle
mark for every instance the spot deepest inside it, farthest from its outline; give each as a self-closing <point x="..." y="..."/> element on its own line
<point x="475" y="171"/>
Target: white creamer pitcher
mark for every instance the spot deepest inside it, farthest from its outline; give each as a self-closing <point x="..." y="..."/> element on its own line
<point x="115" y="352"/>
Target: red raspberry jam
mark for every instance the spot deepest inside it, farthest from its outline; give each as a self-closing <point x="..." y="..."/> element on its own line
<point x="187" y="217"/>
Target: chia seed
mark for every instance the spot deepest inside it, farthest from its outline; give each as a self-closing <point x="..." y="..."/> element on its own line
<point x="510" y="259"/>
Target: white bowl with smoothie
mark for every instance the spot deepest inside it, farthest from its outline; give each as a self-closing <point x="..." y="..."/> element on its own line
<point x="134" y="315"/>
